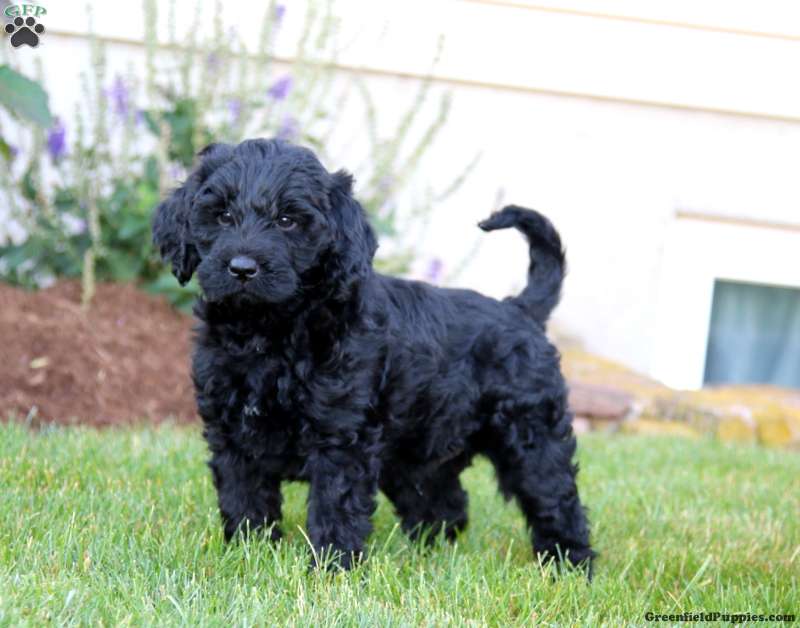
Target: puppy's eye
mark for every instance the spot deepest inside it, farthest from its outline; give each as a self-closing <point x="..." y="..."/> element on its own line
<point x="286" y="222"/>
<point x="225" y="219"/>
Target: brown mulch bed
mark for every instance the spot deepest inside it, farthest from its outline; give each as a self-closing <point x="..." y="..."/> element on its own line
<point x="125" y="360"/>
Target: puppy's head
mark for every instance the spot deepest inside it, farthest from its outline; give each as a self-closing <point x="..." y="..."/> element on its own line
<point x="264" y="222"/>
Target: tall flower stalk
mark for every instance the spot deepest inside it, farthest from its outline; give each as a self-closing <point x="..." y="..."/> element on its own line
<point x="135" y="135"/>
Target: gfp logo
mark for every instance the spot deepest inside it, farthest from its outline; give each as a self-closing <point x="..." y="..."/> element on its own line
<point x="25" y="27"/>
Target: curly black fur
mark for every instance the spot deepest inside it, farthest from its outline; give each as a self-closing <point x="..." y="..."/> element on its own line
<point x="312" y="366"/>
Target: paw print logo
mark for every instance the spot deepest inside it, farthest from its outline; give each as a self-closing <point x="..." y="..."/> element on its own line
<point x="25" y="31"/>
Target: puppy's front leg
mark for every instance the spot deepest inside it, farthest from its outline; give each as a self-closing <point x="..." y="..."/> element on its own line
<point x="248" y="498"/>
<point x="341" y="500"/>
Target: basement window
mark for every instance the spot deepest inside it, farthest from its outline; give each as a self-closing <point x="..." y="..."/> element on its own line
<point x="754" y="336"/>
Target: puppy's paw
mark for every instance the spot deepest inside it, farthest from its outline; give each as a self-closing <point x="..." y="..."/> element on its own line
<point x="332" y="561"/>
<point x="245" y="529"/>
<point x="581" y="560"/>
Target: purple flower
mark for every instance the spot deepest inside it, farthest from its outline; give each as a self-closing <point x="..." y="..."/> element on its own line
<point x="434" y="271"/>
<point x="289" y="128"/>
<point x="235" y="109"/>
<point x="57" y="140"/>
<point x="74" y="225"/>
<point x="213" y="61"/>
<point x="13" y="151"/>
<point x="280" y="11"/>
<point x="280" y="89"/>
<point x="385" y="183"/>
<point x="120" y="97"/>
<point x="176" y="172"/>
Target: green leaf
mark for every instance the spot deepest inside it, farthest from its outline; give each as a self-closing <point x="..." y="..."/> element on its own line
<point x="151" y="173"/>
<point x="131" y="226"/>
<point x="28" y="185"/>
<point x="65" y="200"/>
<point x="122" y="266"/>
<point x="150" y="121"/>
<point x="148" y="198"/>
<point x="24" y="97"/>
<point x="5" y="149"/>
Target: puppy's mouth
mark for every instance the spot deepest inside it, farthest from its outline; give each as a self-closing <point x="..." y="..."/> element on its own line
<point x="267" y="287"/>
<point x="241" y="295"/>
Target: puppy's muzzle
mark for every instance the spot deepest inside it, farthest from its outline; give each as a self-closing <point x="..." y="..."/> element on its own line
<point x="243" y="268"/>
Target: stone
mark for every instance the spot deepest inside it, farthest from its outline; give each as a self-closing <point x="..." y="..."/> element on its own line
<point x="778" y="431"/>
<point x="736" y="429"/>
<point x="655" y="427"/>
<point x="606" y="425"/>
<point x="599" y="402"/>
<point x="581" y="425"/>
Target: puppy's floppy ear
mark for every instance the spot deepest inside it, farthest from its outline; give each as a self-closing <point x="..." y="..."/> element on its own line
<point x="171" y="232"/>
<point x="355" y="244"/>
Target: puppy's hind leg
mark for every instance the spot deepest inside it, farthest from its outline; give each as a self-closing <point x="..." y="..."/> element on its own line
<point x="430" y="503"/>
<point x="531" y="444"/>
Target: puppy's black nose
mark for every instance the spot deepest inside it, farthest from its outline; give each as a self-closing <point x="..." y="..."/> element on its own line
<point x="243" y="268"/>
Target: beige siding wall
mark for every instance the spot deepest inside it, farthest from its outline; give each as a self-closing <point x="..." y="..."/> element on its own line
<point x="609" y="116"/>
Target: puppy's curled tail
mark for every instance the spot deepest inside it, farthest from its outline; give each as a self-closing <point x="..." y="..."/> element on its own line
<point x="548" y="262"/>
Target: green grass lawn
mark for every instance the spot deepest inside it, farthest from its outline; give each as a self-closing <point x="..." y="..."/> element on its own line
<point x="120" y="527"/>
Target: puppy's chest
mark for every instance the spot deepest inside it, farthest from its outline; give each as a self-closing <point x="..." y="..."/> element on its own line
<point x="254" y="397"/>
<point x="266" y="389"/>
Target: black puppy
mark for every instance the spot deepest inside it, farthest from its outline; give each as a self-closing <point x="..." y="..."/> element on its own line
<point x="309" y="365"/>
